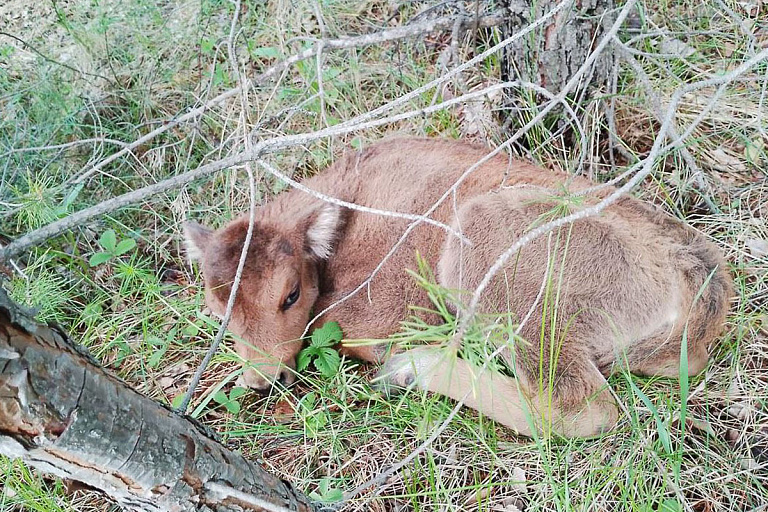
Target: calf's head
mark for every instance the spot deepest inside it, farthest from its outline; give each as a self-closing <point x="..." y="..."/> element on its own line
<point x="279" y="283"/>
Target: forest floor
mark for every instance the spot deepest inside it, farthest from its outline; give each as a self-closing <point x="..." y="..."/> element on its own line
<point x="81" y="80"/>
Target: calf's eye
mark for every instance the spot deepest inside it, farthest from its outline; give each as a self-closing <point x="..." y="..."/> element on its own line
<point x="291" y="299"/>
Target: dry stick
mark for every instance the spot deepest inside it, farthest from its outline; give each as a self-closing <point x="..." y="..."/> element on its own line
<point x="364" y="209"/>
<point x="464" y="325"/>
<point x="182" y="409"/>
<point x="382" y="477"/>
<point x="404" y="32"/>
<point x="722" y="81"/>
<point x="554" y="100"/>
<point x="739" y="22"/>
<point x="266" y="146"/>
<point x="658" y="112"/>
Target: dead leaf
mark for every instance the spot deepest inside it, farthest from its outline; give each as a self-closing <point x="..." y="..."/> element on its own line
<point x="753" y="151"/>
<point x="283" y="410"/>
<point x="757" y="247"/>
<point x="518" y="477"/>
<point x="740" y="411"/>
<point x="511" y="504"/>
<point x="726" y="162"/>
<point x="676" y="47"/>
<point x="702" y="425"/>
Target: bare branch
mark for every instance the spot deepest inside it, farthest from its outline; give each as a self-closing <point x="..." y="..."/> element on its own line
<point x="647" y="167"/>
<point x="364" y="209"/>
<point x="248" y="235"/>
<point x="257" y="151"/>
<point x="404" y="32"/>
<point x="658" y="112"/>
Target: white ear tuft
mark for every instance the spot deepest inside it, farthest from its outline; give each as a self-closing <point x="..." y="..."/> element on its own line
<point x="322" y="231"/>
<point x="196" y="238"/>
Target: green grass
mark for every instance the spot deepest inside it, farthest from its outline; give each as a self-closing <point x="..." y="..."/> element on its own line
<point x="141" y="313"/>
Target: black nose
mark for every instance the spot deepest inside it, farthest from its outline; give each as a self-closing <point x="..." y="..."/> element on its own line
<point x="285" y="378"/>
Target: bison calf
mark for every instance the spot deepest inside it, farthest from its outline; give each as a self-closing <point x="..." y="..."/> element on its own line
<point x="628" y="285"/>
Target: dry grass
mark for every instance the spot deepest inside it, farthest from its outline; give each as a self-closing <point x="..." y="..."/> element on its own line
<point x="141" y="313"/>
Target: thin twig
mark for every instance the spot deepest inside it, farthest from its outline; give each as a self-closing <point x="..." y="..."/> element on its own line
<point x="264" y="147"/>
<point x="182" y="409"/>
<point x="658" y="112"/>
<point x="66" y="145"/>
<point x="404" y="32"/>
<point x="54" y="61"/>
<point x="648" y="162"/>
<point x="364" y="209"/>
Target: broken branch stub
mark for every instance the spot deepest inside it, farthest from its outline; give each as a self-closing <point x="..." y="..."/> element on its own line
<point x="62" y="414"/>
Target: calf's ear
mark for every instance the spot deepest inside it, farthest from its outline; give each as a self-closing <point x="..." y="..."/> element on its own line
<point x="322" y="230"/>
<point x="196" y="238"/>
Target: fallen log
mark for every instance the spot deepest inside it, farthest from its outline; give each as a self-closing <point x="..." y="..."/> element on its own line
<point x="64" y="415"/>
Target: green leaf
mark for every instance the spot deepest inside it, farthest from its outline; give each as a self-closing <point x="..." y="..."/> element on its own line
<point x="108" y="240"/>
<point x="237" y="392"/>
<point x="155" y="358"/>
<point x="125" y="246"/>
<point x="99" y="258"/>
<point x="333" y="495"/>
<point x="326" y="494"/>
<point x="206" y="45"/>
<point x="326" y="336"/>
<point x="154" y="340"/>
<point x="232" y="407"/>
<point x="191" y="330"/>
<point x="670" y="506"/>
<point x="308" y="401"/>
<point x="328" y="362"/>
<point x="664" y="436"/>
<point x="753" y="150"/>
<point x="72" y="196"/>
<point x="305" y="357"/>
<point x="176" y="402"/>
<point x="269" y="52"/>
<point x="220" y="397"/>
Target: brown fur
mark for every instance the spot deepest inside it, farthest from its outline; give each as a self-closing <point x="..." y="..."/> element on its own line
<point x="628" y="283"/>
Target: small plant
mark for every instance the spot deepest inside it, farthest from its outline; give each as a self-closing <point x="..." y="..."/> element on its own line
<point x="230" y="403"/>
<point x="326" y="493"/>
<point x="320" y="350"/>
<point x="665" y="506"/>
<point x="315" y="419"/>
<point x="112" y="248"/>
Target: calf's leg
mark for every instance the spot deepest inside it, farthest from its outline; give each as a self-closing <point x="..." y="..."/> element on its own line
<point x="509" y="401"/>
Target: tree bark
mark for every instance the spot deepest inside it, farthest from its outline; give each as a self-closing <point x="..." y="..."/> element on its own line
<point x="551" y="54"/>
<point x="62" y="414"/>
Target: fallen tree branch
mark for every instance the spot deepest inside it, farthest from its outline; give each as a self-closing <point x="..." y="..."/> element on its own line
<point x="394" y="34"/>
<point x="262" y="148"/>
<point x="722" y="81"/>
<point x="62" y="414"/>
<point x="657" y="109"/>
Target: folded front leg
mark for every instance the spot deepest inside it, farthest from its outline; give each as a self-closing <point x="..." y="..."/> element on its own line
<point x="497" y="396"/>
